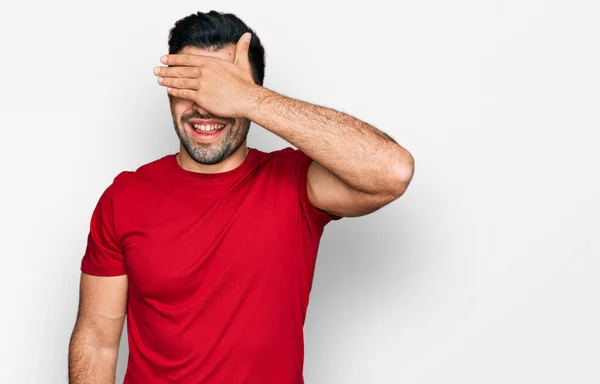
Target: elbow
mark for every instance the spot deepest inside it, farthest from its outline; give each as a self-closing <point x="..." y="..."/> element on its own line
<point x="392" y="186"/>
<point x="402" y="175"/>
<point x="99" y="331"/>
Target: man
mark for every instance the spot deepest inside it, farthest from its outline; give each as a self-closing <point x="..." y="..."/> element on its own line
<point x="211" y="251"/>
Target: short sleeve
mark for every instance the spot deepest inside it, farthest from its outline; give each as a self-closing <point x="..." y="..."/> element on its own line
<point x="320" y="217"/>
<point x="103" y="255"/>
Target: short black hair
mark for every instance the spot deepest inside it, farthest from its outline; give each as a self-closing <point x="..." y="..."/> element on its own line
<point x="215" y="30"/>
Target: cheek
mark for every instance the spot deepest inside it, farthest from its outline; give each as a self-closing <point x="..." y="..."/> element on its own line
<point x="181" y="104"/>
<point x="179" y="107"/>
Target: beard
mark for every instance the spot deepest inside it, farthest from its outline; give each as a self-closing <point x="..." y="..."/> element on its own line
<point x="215" y="152"/>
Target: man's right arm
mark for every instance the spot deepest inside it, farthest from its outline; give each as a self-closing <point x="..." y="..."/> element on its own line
<point x="94" y="344"/>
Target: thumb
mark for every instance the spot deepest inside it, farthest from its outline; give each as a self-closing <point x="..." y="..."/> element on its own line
<point x="241" y="51"/>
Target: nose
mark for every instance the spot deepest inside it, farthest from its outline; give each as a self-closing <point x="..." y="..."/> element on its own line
<point x="200" y="110"/>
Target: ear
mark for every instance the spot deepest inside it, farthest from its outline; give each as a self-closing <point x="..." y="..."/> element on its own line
<point x="241" y="51"/>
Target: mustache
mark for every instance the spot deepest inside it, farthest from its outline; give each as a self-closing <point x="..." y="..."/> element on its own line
<point x="186" y="118"/>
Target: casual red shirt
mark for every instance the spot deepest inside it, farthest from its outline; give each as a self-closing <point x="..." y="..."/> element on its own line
<point x="220" y="267"/>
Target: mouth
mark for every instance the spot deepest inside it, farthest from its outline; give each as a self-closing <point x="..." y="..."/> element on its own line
<point x="206" y="130"/>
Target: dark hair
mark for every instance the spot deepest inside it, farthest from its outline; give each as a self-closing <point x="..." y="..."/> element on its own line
<point x="215" y="30"/>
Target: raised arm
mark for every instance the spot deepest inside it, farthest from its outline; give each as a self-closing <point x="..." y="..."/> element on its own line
<point x="94" y="344"/>
<point x="356" y="168"/>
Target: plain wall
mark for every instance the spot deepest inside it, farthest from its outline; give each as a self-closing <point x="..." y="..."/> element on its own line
<point x="485" y="271"/>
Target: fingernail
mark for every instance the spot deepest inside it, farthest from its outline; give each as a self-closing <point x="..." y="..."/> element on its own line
<point x="160" y="79"/>
<point x="156" y="70"/>
<point x="247" y="38"/>
<point x="163" y="59"/>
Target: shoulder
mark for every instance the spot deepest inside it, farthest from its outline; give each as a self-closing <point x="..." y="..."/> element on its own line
<point x="143" y="178"/>
<point x="287" y="153"/>
<point x="288" y="158"/>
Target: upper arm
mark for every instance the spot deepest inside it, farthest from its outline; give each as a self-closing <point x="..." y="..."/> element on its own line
<point x="104" y="282"/>
<point x="328" y="193"/>
<point x="102" y="308"/>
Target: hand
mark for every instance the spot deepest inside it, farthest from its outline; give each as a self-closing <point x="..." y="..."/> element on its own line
<point x="221" y="87"/>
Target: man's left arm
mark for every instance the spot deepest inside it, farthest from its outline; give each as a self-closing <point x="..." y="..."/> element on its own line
<point x="356" y="168"/>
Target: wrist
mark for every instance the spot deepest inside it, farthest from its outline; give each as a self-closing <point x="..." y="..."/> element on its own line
<point x="256" y="97"/>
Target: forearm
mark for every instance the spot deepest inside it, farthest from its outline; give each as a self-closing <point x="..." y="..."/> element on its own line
<point x="360" y="155"/>
<point x="91" y="362"/>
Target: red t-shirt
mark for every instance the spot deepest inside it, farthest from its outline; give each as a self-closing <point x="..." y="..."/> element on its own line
<point x="220" y="267"/>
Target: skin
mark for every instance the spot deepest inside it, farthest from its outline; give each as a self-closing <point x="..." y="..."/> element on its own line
<point x="356" y="170"/>
<point x="94" y="344"/>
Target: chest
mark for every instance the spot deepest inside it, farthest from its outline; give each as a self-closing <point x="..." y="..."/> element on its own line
<point x="176" y="245"/>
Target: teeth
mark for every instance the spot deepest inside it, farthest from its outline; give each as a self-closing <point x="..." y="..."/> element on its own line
<point x="203" y="127"/>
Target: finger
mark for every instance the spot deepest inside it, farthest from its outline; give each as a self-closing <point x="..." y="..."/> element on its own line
<point x="184" y="59"/>
<point x="178" y="82"/>
<point x="181" y="93"/>
<point x="191" y="72"/>
<point x="241" y="51"/>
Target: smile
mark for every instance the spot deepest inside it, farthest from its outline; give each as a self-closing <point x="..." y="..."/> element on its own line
<point x="206" y="128"/>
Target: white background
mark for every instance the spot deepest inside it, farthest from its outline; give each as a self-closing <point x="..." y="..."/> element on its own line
<point x="485" y="271"/>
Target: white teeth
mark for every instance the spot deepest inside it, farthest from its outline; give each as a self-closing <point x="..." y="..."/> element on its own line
<point x="207" y="127"/>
